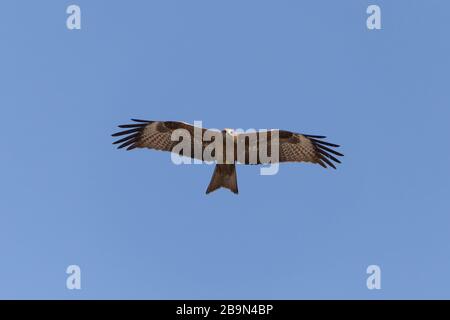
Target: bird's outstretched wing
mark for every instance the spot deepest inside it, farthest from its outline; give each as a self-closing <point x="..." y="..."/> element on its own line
<point x="292" y="147"/>
<point x="158" y="135"/>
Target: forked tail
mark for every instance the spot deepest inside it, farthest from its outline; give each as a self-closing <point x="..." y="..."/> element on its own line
<point x="224" y="176"/>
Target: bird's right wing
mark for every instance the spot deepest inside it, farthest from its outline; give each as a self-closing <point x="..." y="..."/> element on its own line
<point x="160" y="135"/>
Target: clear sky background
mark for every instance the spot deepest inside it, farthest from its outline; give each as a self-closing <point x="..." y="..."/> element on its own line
<point x="141" y="227"/>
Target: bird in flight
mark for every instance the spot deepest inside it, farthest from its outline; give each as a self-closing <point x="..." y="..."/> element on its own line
<point x="228" y="147"/>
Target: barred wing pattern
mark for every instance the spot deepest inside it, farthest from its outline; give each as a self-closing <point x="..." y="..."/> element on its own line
<point x="293" y="147"/>
<point x="156" y="135"/>
<point x="296" y="147"/>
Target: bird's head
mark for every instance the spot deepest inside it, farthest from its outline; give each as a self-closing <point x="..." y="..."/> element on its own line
<point x="229" y="131"/>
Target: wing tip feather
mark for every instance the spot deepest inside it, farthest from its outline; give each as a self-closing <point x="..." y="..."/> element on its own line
<point x="324" y="151"/>
<point x="131" y="135"/>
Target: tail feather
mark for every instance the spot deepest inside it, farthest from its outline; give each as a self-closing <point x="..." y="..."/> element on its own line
<point x="224" y="176"/>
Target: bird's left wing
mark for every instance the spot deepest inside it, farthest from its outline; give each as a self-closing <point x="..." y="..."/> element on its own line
<point x="291" y="146"/>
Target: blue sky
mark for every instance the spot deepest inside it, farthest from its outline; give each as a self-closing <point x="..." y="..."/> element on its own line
<point x="141" y="227"/>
